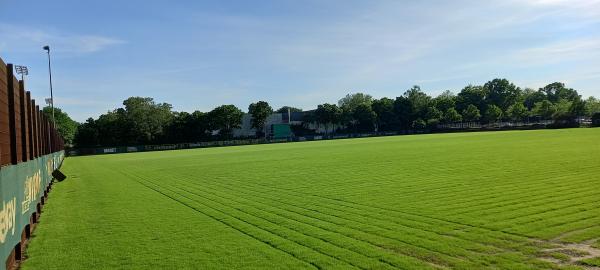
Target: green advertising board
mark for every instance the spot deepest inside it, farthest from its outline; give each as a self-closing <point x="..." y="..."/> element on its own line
<point x="21" y="189"/>
<point x="281" y="131"/>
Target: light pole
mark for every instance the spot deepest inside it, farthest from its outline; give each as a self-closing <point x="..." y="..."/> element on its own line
<point x="47" y="49"/>
<point x="22" y="70"/>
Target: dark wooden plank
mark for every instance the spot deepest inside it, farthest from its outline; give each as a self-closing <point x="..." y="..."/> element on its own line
<point x="38" y="147"/>
<point x="17" y="118"/>
<point x="13" y="113"/>
<point x="29" y="126"/>
<point x="24" y="122"/>
<point x="5" y="149"/>
<point x="2" y="66"/>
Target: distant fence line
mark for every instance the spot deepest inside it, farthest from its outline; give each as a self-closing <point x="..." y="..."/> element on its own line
<point x="30" y="150"/>
<point x="466" y="126"/>
<point x="504" y="124"/>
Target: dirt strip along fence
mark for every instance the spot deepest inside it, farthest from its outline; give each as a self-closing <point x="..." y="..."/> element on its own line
<point x="30" y="150"/>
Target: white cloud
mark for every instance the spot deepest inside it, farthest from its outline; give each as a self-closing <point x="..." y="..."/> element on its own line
<point x="580" y="9"/>
<point x="90" y="44"/>
<point x="23" y="38"/>
<point x="567" y="50"/>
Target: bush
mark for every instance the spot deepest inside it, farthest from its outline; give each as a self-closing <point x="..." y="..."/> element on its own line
<point x="419" y="124"/>
<point x="596" y="119"/>
<point x="564" y="124"/>
<point x="301" y="130"/>
<point x="432" y="123"/>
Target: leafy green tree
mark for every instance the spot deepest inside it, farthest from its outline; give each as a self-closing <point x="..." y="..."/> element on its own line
<point x="259" y="111"/>
<point x="432" y="123"/>
<point x="187" y="127"/>
<point x="419" y="101"/>
<point x="328" y="115"/>
<point x="517" y="112"/>
<point x="493" y="113"/>
<point x="502" y="93"/>
<point x="531" y="97"/>
<point x="225" y="118"/>
<point x="544" y="109"/>
<point x="348" y="105"/>
<point x="384" y="111"/>
<point x="563" y="110"/>
<point x="472" y="95"/>
<point x="596" y="119"/>
<point x="285" y="109"/>
<point x="452" y="116"/>
<point x="577" y="107"/>
<point x="445" y="101"/>
<point x="557" y="91"/>
<point x="199" y="126"/>
<point x="433" y="113"/>
<point x="141" y="120"/>
<point x="309" y="118"/>
<point x="412" y="105"/>
<point x="592" y="106"/>
<point x="365" y="118"/>
<point x="403" y="112"/>
<point x="471" y="113"/>
<point x="351" y="101"/>
<point x="65" y="126"/>
<point x="419" y="124"/>
<point x="87" y="134"/>
<point x="114" y="129"/>
<point x="147" y="118"/>
<point x="178" y="130"/>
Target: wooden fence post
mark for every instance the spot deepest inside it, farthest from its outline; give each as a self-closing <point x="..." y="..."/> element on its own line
<point x="24" y="123"/>
<point x="38" y="130"/>
<point x="4" y="117"/>
<point x="36" y="151"/>
<point x="30" y="126"/>
<point x="14" y="111"/>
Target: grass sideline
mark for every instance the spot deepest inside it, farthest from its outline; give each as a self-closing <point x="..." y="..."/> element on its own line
<point x="462" y="200"/>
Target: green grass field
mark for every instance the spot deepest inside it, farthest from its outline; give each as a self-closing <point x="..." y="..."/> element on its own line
<point x="495" y="200"/>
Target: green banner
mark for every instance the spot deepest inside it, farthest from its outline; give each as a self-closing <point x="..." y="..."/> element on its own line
<point x="21" y="189"/>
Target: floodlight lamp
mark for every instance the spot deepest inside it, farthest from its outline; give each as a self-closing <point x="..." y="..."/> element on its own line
<point x="22" y="70"/>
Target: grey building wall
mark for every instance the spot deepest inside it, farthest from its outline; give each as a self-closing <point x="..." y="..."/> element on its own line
<point x="246" y="129"/>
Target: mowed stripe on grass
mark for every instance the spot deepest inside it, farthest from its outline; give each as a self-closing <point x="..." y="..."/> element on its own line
<point x="460" y="201"/>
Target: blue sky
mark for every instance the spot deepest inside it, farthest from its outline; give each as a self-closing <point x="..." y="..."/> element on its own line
<point x="200" y="54"/>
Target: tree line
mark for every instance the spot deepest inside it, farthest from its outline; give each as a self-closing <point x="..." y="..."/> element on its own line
<point x="141" y="120"/>
<point x="496" y="100"/>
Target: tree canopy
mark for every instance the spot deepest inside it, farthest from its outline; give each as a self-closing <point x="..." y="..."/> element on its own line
<point x="493" y="113"/>
<point x="259" y="111"/>
<point x="328" y="115"/>
<point x="517" y="112"/>
<point x="471" y="113"/>
<point x="65" y="126"/>
<point x="224" y="119"/>
<point x="384" y="113"/>
<point x="141" y="120"/>
<point x="285" y="109"/>
<point x="501" y="93"/>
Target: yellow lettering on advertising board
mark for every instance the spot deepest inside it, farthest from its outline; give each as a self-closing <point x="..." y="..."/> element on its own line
<point x="7" y="218"/>
<point x="50" y="166"/>
<point x="32" y="190"/>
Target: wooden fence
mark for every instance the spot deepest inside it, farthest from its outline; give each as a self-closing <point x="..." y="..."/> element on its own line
<point x="30" y="150"/>
<point x="25" y="132"/>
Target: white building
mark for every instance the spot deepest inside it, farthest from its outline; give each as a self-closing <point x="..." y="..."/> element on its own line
<point x="246" y="129"/>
